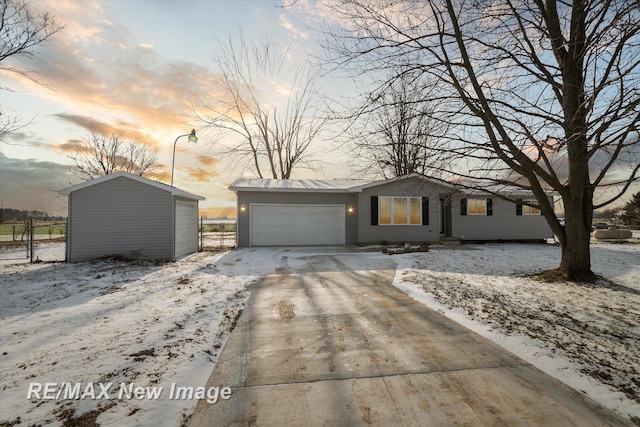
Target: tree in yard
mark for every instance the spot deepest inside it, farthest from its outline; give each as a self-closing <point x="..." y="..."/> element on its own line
<point x="272" y="136"/>
<point x="542" y="95"/>
<point x="399" y="134"/>
<point x="101" y="155"/>
<point x="631" y="211"/>
<point x="21" y="31"/>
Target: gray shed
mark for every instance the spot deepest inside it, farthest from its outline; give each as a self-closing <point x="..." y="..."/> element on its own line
<point x="128" y="215"/>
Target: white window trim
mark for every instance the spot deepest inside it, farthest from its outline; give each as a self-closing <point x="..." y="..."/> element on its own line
<point x="391" y="217"/>
<point x="477" y="214"/>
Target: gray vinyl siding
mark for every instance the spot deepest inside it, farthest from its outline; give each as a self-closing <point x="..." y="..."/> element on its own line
<point x="416" y="187"/>
<point x="248" y="197"/>
<point x="120" y="216"/>
<point x="504" y="224"/>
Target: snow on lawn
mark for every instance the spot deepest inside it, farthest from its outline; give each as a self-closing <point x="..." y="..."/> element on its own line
<point x="138" y="323"/>
<point x="154" y="325"/>
<point x="585" y="335"/>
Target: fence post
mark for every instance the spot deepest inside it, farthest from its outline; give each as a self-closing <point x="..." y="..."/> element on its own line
<point x="201" y="234"/>
<point x="31" y="233"/>
<point x="66" y="239"/>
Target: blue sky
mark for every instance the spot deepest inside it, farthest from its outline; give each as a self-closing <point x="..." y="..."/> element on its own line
<point x="136" y="66"/>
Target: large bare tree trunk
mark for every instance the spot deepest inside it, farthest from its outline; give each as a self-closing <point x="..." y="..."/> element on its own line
<point x="575" y="262"/>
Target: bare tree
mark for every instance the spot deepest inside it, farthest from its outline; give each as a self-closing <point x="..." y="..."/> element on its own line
<point x="21" y="32"/>
<point x="101" y="155"/>
<point x="540" y="94"/>
<point x="399" y="133"/>
<point x="246" y="101"/>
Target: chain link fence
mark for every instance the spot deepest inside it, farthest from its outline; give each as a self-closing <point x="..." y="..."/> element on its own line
<point x="45" y="241"/>
<point x="217" y="234"/>
<point x="32" y="241"/>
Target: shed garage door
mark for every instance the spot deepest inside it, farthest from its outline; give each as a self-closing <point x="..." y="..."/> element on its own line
<point x="284" y="225"/>
<point x="186" y="228"/>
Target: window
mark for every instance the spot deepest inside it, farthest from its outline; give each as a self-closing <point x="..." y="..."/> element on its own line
<point x="476" y="206"/>
<point x="416" y="210"/>
<point x="400" y="210"/>
<point x="385" y="210"/>
<point x="528" y="210"/>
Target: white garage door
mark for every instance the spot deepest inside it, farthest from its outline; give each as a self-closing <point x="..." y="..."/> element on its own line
<point x="284" y="225"/>
<point x="186" y="228"/>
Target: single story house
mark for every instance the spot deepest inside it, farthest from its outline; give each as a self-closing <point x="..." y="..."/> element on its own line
<point x="128" y="215"/>
<point x="411" y="208"/>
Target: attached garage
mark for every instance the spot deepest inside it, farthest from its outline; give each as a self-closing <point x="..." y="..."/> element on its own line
<point x="297" y="224"/>
<point x="131" y="216"/>
<point x="306" y="212"/>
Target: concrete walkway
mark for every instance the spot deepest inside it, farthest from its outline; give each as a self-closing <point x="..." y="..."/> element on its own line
<point x="334" y="345"/>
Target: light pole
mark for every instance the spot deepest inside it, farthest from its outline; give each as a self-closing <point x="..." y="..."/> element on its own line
<point x="192" y="138"/>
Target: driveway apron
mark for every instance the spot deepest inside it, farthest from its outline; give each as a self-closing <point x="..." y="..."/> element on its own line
<point x="336" y="344"/>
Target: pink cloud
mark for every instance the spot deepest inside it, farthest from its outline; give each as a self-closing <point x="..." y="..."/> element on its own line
<point x="97" y="65"/>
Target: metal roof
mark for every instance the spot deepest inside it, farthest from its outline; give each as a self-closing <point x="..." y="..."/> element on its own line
<point x="297" y="185"/>
<point x="357" y="185"/>
<point x="173" y="190"/>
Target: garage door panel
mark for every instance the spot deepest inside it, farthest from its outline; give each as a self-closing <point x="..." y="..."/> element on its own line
<point x="283" y="225"/>
<point x="186" y="229"/>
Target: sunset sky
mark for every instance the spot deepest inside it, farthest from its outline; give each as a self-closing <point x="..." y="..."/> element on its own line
<point x="137" y="67"/>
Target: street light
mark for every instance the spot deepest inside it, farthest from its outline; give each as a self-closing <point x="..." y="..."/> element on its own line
<point x="192" y="138"/>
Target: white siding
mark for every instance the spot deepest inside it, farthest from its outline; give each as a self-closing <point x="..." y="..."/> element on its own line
<point x="504" y="224"/>
<point x="120" y="216"/>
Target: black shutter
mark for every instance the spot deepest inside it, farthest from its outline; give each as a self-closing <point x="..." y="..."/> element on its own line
<point x="518" y="206"/>
<point x="425" y="211"/>
<point x="463" y="206"/>
<point x="374" y="210"/>
<point x="489" y="207"/>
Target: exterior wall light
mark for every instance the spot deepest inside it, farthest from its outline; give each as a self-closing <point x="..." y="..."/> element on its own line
<point x="243" y="208"/>
<point x="350" y="209"/>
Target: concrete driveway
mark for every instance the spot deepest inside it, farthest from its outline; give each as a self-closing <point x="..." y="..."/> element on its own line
<point x="333" y="343"/>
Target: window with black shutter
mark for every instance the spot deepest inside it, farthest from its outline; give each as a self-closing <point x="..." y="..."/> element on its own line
<point x="374" y="210"/>
<point x="425" y="211"/>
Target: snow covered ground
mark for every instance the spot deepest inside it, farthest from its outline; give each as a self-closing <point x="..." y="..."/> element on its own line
<point x="154" y="325"/>
<point x="588" y="336"/>
<point x="141" y="324"/>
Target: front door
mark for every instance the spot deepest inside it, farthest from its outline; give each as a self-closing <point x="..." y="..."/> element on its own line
<point x="445" y="218"/>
